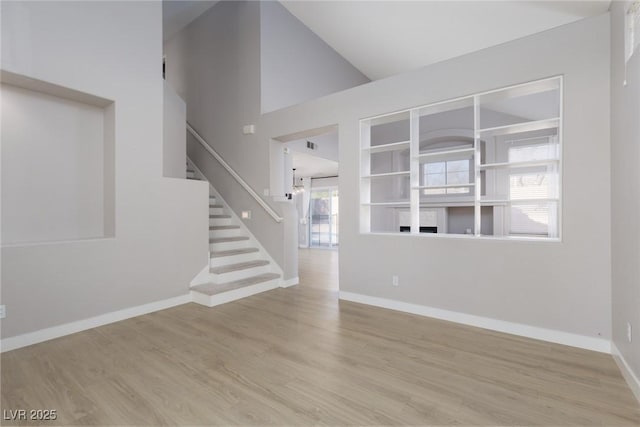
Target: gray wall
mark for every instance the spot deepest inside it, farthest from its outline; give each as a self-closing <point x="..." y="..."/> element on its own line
<point x="296" y="64"/>
<point x="52" y="167"/>
<point x="214" y="65"/>
<point x="562" y="286"/>
<point x="625" y="192"/>
<point x="174" y="135"/>
<point x="111" y="50"/>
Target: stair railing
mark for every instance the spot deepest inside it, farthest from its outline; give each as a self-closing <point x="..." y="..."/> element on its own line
<point x="234" y="174"/>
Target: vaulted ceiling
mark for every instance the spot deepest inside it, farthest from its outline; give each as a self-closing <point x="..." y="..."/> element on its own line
<point x="383" y="38"/>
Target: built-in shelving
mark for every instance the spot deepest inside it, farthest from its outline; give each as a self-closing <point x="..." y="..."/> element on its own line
<point x="444" y="153"/>
<point x="518" y="128"/>
<point x="379" y="175"/>
<point x="441" y="187"/>
<point x="532" y="163"/>
<point x="387" y="147"/>
<point x="520" y="201"/>
<point x="387" y="204"/>
<point x="472" y="138"/>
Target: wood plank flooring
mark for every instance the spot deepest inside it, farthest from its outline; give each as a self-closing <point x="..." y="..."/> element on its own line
<point x="298" y="356"/>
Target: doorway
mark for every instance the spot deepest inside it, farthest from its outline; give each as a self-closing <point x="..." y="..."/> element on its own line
<point x="305" y="174"/>
<point x="324" y="218"/>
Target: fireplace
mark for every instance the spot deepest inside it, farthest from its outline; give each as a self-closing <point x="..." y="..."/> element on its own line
<point x="428" y="229"/>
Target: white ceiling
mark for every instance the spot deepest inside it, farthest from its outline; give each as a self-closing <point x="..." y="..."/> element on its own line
<point x="177" y="14"/>
<point x="313" y="166"/>
<point x="383" y="38"/>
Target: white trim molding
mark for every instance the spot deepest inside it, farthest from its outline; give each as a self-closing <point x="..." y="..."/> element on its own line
<point x="627" y="373"/>
<point x="13" y="343"/>
<point x="285" y="283"/>
<point x="559" y="337"/>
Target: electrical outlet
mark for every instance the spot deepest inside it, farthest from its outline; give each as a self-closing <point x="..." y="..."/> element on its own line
<point x="629" y="330"/>
<point x="3" y="311"/>
<point x="395" y="281"/>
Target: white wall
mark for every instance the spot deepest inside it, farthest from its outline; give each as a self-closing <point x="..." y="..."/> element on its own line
<point x="625" y="192"/>
<point x="296" y="64"/>
<point x="562" y="286"/>
<point x="112" y="50"/>
<point x="174" y="136"/>
<point x="326" y="146"/>
<point x="52" y="167"/>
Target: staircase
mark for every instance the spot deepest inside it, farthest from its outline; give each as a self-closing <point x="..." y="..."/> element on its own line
<point x="238" y="265"/>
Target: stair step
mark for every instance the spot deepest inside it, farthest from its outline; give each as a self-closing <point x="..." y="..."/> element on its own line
<point x="215" y="206"/>
<point x="223" y="227"/>
<point x="190" y="171"/>
<point x="193" y="178"/>
<point x="214" y="289"/>
<point x="228" y="239"/>
<point x="239" y="266"/>
<point x="233" y="252"/>
<point x="219" y="216"/>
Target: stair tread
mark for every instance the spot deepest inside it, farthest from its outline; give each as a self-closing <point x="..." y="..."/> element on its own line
<point x="224" y="227"/>
<point x="193" y="178"/>
<point x="228" y="239"/>
<point x="219" y="216"/>
<point x="216" y="206"/>
<point x="232" y="252"/>
<point x="190" y="171"/>
<point x="238" y="266"/>
<point x="214" y="289"/>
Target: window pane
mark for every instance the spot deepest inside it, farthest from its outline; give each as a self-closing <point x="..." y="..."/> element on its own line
<point x="435" y="168"/>
<point x="530" y="219"/>
<point x="435" y="179"/>
<point x="542" y="150"/>
<point x="458" y="177"/>
<point x="529" y="186"/>
<point x="458" y="166"/>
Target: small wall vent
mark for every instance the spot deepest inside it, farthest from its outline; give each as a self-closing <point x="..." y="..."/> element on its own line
<point x="311" y="145"/>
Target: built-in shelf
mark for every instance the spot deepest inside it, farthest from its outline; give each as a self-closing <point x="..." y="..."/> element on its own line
<point x="519" y="127"/>
<point x="458" y="136"/>
<point x="517" y="201"/>
<point x="387" y="204"/>
<point x="377" y="175"/>
<point x="438" y="187"/>
<point x="469" y="150"/>
<point x="387" y="147"/>
<point x="531" y="163"/>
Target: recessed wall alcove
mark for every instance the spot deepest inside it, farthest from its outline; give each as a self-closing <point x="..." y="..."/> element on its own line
<point x="58" y="177"/>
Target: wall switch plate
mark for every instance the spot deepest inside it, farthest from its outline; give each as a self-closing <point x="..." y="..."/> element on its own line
<point x="395" y="281"/>
<point x="265" y="192"/>
<point x="3" y="311"/>
<point x="248" y="129"/>
<point x="246" y="215"/>
<point x="629" y="332"/>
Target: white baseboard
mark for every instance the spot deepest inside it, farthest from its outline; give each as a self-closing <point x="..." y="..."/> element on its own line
<point x="236" y="294"/>
<point x="289" y="282"/>
<point x="627" y="373"/>
<point x="574" y="340"/>
<point x="47" y="334"/>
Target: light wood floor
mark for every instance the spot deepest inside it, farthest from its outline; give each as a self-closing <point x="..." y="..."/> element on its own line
<point x="297" y="356"/>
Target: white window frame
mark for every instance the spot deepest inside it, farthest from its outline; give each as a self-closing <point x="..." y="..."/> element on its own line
<point x="414" y="175"/>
